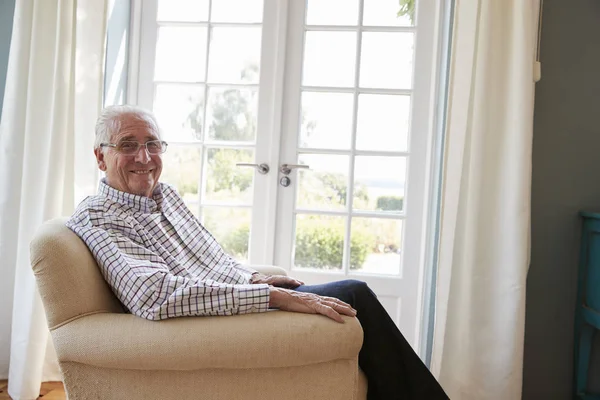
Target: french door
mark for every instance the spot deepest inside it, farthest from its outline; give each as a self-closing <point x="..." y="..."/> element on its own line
<point x="300" y="131"/>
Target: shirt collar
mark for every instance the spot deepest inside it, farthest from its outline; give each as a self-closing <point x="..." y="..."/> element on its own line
<point x="142" y="204"/>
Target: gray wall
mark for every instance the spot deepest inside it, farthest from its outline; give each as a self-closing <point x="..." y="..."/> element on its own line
<point x="566" y="179"/>
<point x="7" y="8"/>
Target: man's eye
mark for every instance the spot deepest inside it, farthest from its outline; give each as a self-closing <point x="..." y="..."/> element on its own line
<point x="153" y="145"/>
<point x="128" y="145"/>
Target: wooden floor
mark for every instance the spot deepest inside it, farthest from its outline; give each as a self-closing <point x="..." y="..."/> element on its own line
<point x="49" y="391"/>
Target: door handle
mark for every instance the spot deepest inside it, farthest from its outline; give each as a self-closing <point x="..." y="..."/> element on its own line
<point x="286" y="169"/>
<point x="263" y="168"/>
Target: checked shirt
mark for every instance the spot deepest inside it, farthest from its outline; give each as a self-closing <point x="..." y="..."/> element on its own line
<point x="159" y="260"/>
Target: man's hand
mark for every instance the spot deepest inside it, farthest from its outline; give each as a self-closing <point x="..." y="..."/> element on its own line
<point x="309" y="303"/>
<point x="276" y="280"/>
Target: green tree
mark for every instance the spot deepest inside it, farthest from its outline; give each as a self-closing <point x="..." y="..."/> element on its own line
<point x="407" y="9"/>
<point x="232" y="115"/>
<point x="223" y="175"/>
<point x="181" y="169"/>
<point x="336" y="186"/>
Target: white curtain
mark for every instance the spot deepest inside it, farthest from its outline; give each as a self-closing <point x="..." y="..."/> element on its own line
<point x="53" y="85"/>
<point x="484" y="246"/>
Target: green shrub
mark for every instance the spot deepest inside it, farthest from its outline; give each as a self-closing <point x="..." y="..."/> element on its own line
<point x="321" y="245"/>
<point x="318" y="245"/>
<point x="236" y="242"/>
<point x="390" y="203"/>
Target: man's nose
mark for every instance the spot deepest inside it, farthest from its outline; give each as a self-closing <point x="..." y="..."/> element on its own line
<point x="142" y="156"/>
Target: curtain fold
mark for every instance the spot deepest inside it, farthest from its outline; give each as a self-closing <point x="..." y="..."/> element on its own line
<point x="50" y="89"/>
<point x="485" y="222"/>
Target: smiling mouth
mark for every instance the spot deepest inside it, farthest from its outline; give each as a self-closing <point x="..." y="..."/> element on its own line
<point x="142" y="171"/>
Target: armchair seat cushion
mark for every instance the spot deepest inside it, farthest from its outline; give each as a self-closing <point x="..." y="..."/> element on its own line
<point x="268" y="340"/>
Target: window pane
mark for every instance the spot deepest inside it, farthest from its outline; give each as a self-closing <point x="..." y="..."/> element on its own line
<point x="227" y="183"/>
<point x="237" y="11"/>
<point x="324" y="186"/>
<point x="179" y="110"/>
<point x="232" y="114"/>
<point x="182" y="10"/>
<point x="180" y="54"/>
<point x="319" y="241"/>
<point x="326" y="120"/>
<point x="234" y="55"/>
<point x="375" y="245"/>
<point x="231" y="227"/>
<point x="386" y="60"/>
<point x="379" y="183"/>
<point x="382" y="122"/>
<point x="389" y="12"/>
<point x="329" y="59"/>
<point x="181" y="169"/>
<point x="332" y="12"/>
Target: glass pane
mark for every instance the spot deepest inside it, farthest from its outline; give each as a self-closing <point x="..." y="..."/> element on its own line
<point x="386" y="60"/>
<point x="237" y="11"/>
<point x="227" y="183"/>
<point x="182" y="10"/>
<point x="231" y="227"/>
<point x="389" y="12"/>
<point x="326" y="120"/>
<point x="375" y="245"/>
<point x="382" y="122"/>
<point x="379" y="183"/>
<point x="329" y="59"/>
<point x="234" y="55"/>
<point x="232" y="114"/>
<point x="181" y="169"/>
<point x="180" y="54"/>
<point x="179" y="110"/>
<point x="332" y="12"/>
<point x="319" y="241"/>
<point x="324" y="186"/>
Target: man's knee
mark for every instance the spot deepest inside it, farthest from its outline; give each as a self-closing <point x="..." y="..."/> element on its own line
<point x="358" y="288"/>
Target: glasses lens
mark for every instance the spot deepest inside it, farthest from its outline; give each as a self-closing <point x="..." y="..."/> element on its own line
<point x="127" y="147"/>
<point x="155" y="147"/>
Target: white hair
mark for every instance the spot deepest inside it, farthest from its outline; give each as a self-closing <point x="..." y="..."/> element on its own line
<point x="109" y="122"/>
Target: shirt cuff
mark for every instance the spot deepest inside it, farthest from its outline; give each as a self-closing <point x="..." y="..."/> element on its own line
<point x="253" y="298"/>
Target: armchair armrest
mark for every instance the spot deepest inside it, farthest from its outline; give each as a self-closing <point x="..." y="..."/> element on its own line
<point x="272" y="339"/>
<point x="269" y="269"/>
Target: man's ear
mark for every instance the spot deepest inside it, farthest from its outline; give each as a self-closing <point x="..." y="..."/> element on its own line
<point x="100" y="158"/>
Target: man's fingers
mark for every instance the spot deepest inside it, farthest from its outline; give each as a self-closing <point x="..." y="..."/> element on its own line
<point x="340" y="303"/>
<point x="343" y="309"/>
<point x="330" y="307"/>
<point x="326" y="310"/>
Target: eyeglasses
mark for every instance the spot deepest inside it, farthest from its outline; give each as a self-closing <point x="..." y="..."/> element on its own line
<point x="131" y="147"/>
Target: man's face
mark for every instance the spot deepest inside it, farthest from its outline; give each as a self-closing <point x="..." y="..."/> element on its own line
<point x="136" y="173"/>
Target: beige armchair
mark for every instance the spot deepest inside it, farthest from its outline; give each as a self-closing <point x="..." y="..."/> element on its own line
<point x="105" y="353"/>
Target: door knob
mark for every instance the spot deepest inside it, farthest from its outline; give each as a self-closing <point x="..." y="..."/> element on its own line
<point x="286" y="169"/>
<point x="263" y="168"/>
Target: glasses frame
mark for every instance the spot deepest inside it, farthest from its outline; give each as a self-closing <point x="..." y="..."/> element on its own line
<point x="114" y="146"/>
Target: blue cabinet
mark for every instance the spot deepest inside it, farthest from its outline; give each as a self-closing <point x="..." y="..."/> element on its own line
<point x="587" y="313"/>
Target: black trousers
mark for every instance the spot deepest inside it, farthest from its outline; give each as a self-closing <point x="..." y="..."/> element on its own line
<point x="393" y="369"/>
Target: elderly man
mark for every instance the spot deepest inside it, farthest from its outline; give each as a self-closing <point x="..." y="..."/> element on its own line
<point x="162" y="263"/>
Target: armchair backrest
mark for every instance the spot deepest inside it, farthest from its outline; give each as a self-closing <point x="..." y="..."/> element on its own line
<point x="68" y="278"/>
